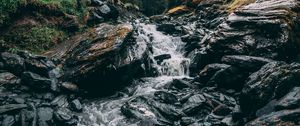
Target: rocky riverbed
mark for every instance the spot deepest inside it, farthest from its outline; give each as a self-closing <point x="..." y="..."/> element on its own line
<point x="183" y="63"/>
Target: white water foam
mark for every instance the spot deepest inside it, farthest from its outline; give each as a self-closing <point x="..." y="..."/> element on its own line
<point x="106" y="112"/>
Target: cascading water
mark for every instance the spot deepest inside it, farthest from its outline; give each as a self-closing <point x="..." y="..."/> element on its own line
<point x="107" y="111"/>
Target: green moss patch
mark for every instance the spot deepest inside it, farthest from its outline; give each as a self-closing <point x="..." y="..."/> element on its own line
<point x="36" y="39"/>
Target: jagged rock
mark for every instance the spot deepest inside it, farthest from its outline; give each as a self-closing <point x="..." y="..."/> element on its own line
<point x="102" y="12"/>
<point x="65" y="117"/>
<point x="159" y="59"/>
<point x="229" y="78"/>
<point x="138" y="108"/>
<point x="60" y="101"/>
<point x="11" y="107"/>
<point x="272" y="81"/>
<point x="265" y="29"/>
<point x="8" y="121"/>
<point x="76" y="105"/>
<point x="165" y="97"/>
<point x="187" y="121"/>
<point x="8" y="79"/>
<point x="290" y="101"/>
<point x="180" y="84"/>
<point x="210" y="70"/>
<point x="248" y="63"/>
<point x="45" y="116"/>
<point x="37" y="64"/>
<point x="13" y="62"/>
<point x="196" y="104"/>
<point x="280" y="118"/>
<point x="222" y="110"/>
<point x="36" y="81"/>
<point x="106" y="59"/>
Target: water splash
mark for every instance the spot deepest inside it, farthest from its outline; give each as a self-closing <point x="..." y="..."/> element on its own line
<point x="107" y="112"/>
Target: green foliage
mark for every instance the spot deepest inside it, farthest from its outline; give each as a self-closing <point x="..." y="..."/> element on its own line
<point x="36" y="39"/>
<point x="71" y="7"/>
<point x="7" y="7"/>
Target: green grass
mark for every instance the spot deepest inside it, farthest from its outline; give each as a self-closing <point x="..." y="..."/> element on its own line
<point x="67" y="6"/>
<point x="71" y="7"/>
<point x="40" y="37"/>
<point x="36" y="39"/>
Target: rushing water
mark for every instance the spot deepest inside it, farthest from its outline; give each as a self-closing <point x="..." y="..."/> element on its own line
<point x="106" y="112"/>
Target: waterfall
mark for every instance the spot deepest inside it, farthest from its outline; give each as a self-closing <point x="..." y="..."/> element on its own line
<point x="107" y="111"/>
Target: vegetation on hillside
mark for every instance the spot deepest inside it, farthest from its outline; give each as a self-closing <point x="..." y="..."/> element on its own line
<point x="42" y="34"/>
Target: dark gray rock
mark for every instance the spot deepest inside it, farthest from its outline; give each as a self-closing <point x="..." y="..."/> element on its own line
<point x="137" y="108"/>
<point x="290" y="101"/>
<point x="159" y="59"/>
<point x="76" y="105"/>
<point x="222" y="110"/>
<point x="248" y="63"/>
<point x="109" y="59"/>
<point x="11" y="107"/>
<point x="60" y="101"/>
<point x="165" y="97"/>
<point x="168" y="28"/>
<point x="180" y="84"/>
<point x="8" y="79"/>
<point x="38" y="64"/>
<point x="210" y="70"/>
<point x="65" y="117"/>
<point x="45" y="116"/>
<point x="8" y="121"/>
<point x="228" y="78"/>
<point x="272" y="81"/>
<point x="264" y="29"/>
<point x="36" y="81"/>
<point x="13" y="62"/>
<point x="280" y="118"/>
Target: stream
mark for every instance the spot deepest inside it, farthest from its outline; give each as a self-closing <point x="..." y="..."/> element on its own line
<point x="107" y="111"/>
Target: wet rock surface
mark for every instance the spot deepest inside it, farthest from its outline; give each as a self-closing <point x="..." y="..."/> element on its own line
<point x="203" y="67"/>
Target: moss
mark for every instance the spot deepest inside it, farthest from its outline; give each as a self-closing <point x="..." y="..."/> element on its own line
<point x="36" y="39"/>
<point x="238" y="3"/>
<point x="8" y="7"/>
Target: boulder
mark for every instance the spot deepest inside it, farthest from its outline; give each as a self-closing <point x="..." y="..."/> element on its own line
<point x="45" y="116"/>
<point x="280" y="118"/>
<point x="290" y="101"/>
<point x="101" y="12"/>
<point x="249" y="63"/>
<point x="265" y="29"/>
<point x="229" y="78"/>
<point x="36" y="81"/>
<point x="210" y="70"/>
<point x="8" y="121"/>
<point x="272" y="81"/>
<point x="76" y="105"/>
<point x="8" y="79"/>
<point x="13" y="62"/>
<point x="103" y="59"/>
<point x="64" y="116"/>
